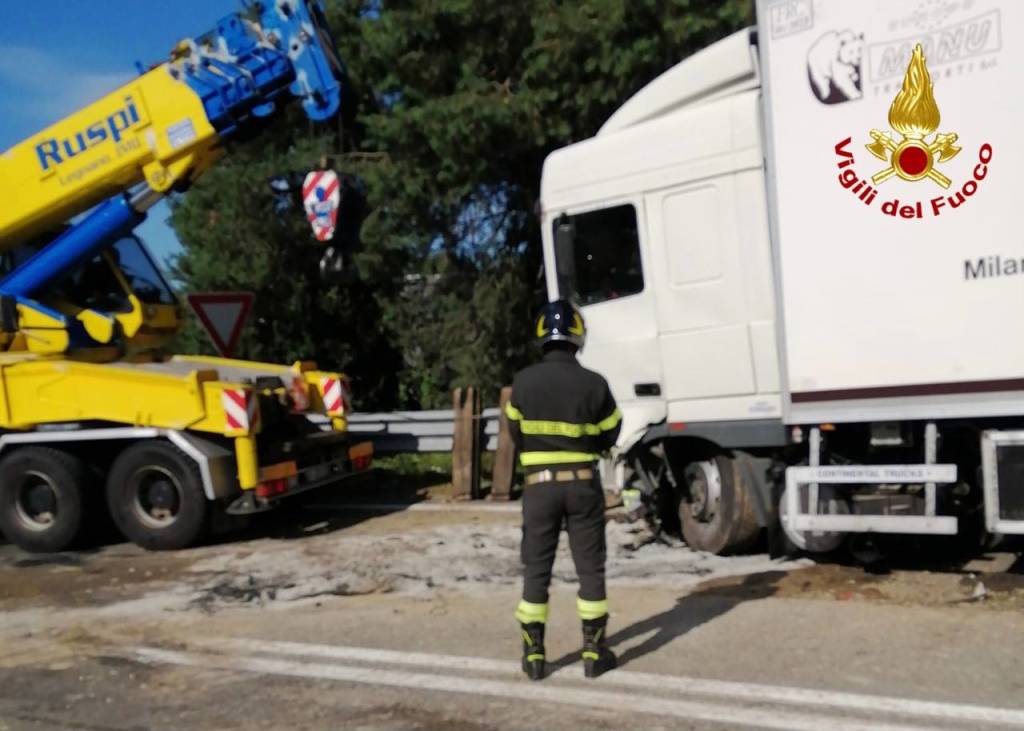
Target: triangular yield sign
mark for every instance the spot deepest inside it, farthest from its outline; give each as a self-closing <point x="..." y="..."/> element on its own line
<point x="222" y="315"/>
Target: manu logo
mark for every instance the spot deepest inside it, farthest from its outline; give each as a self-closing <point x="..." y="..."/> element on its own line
<point x="914" y="115"/>
<point x="54" y="151"/>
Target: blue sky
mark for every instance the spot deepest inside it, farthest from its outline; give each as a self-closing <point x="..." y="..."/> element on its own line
<point x="59" y="55"/>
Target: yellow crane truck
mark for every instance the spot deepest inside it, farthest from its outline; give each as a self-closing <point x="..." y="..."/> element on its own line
<point x="91" y="400"/>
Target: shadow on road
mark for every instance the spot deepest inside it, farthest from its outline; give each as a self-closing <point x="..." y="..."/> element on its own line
<point x="689" y="612"/>
<point x="331" y="509"/>
<point x="962" y="554"/>
<point x="318" y="512"/>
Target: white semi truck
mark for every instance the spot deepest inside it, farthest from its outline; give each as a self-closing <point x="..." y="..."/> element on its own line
<point x="800" y="256"/>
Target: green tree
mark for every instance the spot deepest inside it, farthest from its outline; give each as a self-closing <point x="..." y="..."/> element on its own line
<point x="459" y="102"/>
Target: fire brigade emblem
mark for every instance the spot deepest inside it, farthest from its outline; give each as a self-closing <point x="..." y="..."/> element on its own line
<point x="914" y="115"/>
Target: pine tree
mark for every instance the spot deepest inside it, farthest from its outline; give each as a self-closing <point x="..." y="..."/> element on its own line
<point x="451" y="108"/>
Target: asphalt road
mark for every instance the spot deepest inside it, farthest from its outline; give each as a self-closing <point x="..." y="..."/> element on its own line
<point x="332" y="618"/>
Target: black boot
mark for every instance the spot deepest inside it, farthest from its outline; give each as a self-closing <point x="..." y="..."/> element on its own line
<point x="597" y="658"/>
<point x="533" y="649"/>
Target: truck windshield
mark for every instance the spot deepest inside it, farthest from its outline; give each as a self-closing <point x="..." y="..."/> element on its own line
<point x="607" y="255"/>
<point x="142" y="274"/>
<point x="94" y="286"/>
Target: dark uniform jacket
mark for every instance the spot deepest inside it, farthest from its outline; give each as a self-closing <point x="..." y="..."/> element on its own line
<point x="561" y="413"/>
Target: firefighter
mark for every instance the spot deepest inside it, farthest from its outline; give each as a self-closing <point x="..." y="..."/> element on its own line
<point x="562" y="418"/>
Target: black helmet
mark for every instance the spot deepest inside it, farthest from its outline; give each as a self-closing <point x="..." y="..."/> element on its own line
<point x="560" y="321"/>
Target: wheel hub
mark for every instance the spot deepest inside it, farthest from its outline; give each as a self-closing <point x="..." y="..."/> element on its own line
<point x="37" y="502"/>
<point x="158" y="496"/>
<point x="705" y="490"/>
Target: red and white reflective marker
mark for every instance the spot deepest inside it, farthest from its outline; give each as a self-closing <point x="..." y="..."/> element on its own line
<point x="222" y="315"/>
<point x="336" y="398"/>
<point x="321" y="195"/>
<point x="239" y="408"/>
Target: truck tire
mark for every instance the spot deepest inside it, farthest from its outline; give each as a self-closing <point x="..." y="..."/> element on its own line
<point x="796" y="543"/>
<point x="155" y="495"/>
<point x="716" y="507"/>
<point x="41" y="498"/>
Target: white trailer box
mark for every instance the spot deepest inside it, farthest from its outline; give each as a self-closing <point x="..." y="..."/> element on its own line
<point x="900" y="268"/>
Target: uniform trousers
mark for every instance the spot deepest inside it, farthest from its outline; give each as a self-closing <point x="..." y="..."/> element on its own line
<point x="579" y="505"/>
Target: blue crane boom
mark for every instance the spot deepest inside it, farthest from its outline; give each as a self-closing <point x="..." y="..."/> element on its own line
<point x="115" y="158"/>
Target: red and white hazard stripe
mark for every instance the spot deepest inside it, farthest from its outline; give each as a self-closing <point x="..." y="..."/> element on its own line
<point x="321" y="196"/>
<point x="335" y="403"/>
<point x="240" y="408"/>
<point x="300" y="394"/>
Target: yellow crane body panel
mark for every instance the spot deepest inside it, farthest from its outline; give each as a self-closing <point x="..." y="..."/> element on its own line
<point x="153" y="129"/>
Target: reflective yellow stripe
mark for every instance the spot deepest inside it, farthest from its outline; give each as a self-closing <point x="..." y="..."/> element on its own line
<point x="589" y="655"/>
<point x="559" y="428"/>
<point x="527" y="612"/>
<point x="611" y="422"/>
<point x="562" y="428"/>
<point x="591" y="610"/>
<point x="531" y="459"/>
<point x="534" y="658"/>
<point x="577" y="325"/>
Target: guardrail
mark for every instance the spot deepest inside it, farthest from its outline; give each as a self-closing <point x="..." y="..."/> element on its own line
<point x="465" y="431"/>
<point x="415" y="431"/>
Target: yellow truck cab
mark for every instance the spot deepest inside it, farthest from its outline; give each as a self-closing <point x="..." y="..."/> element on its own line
<point x="93" y="401"/>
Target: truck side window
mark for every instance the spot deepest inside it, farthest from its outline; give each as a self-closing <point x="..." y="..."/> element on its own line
<point x="91" y="285"/>
<point x="94" y="285"/>
<point x="607" y="255"/>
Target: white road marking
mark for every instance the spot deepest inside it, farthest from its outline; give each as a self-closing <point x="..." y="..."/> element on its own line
<point x="521" y="690"/>
<point x="744" y="692"/>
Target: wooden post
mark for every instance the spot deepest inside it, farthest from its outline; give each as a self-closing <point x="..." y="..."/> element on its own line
<point x="504" y="474"/>
<point x="476" y="429"/>
<point x="460" y="445"/>
<point x="466" y="443"/>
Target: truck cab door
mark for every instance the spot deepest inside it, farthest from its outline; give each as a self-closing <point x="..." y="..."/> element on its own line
<point x="610" y="285"/>
<point x="714" y="306"/>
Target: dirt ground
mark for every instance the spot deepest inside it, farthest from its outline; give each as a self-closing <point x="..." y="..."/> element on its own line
<point x="329" y="546"/>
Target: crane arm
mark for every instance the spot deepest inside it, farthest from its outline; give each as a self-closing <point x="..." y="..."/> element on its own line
<point x="165" y="127"/>
<point x="115" y="158"/>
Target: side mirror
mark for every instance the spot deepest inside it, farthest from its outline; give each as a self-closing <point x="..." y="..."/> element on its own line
<point x="565" y="255"/>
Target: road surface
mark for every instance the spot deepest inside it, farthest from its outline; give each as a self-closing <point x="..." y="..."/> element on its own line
<point x="334" y="617"/>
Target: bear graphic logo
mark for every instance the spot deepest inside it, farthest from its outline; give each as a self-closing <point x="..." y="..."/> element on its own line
<point x="833" y="66"/>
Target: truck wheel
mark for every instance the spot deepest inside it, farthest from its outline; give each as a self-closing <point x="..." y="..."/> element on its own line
<point x="797" y="542"/>
<point x="155" y="495"/>
<point x="716" y="507"/>
<point x="41" y="498"/>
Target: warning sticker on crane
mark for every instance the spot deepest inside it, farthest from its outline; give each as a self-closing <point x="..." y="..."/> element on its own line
<point x="336" y="397"/>
<point x="321" y="196"/>
<point x="222" y="315"/>
<point x="241" y="409"/>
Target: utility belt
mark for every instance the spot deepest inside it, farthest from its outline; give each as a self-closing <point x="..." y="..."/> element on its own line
<point x="578" y="474"/>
